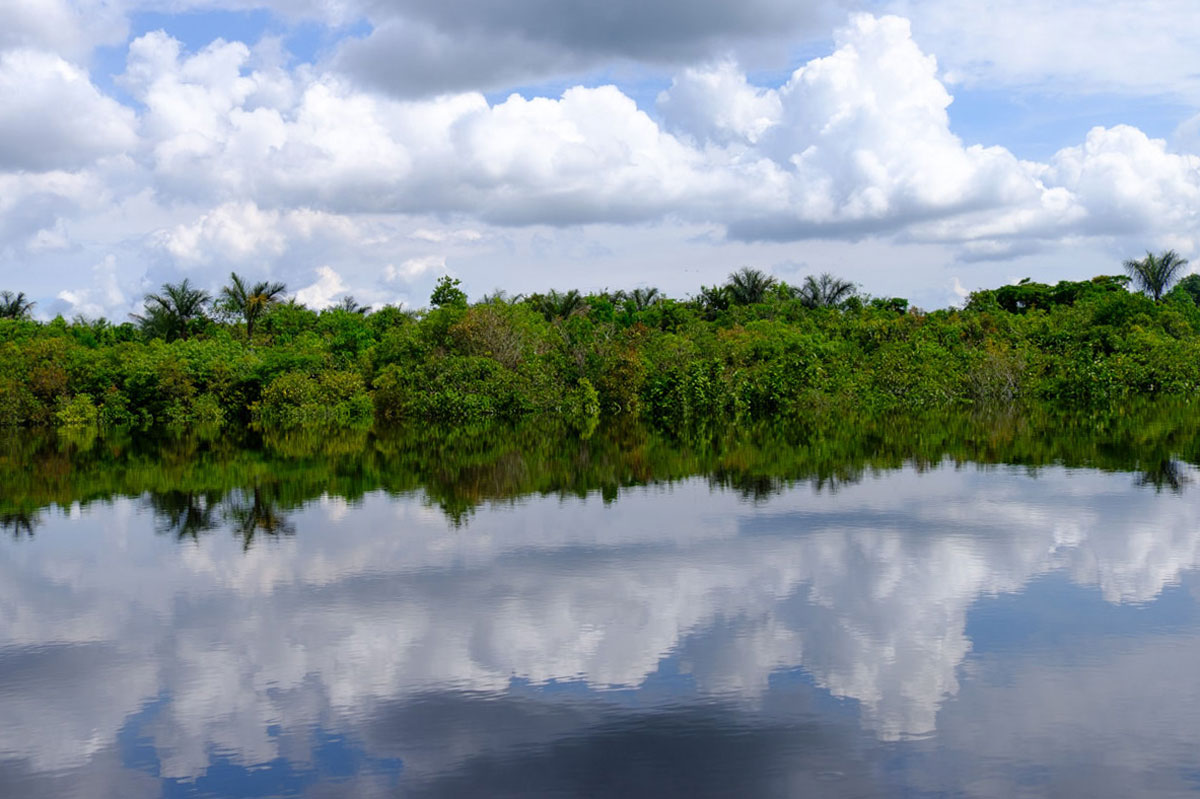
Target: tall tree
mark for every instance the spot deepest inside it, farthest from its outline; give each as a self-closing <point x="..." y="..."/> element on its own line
<point x="350" y="305"/>
<point x="15" y="306"/>
<point x="174" y="312"/>
<point x="748" y="286"/>
<point x="447" y="294"/>
<point x="558" y="304"/>
<point x="249" y="302"/>
<point x="1154" y="274"/>
<point x="644" y="298"/>
<point x="825" y="291"/>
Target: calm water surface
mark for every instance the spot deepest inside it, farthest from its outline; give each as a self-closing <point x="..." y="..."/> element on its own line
<point x="941" y="628"/>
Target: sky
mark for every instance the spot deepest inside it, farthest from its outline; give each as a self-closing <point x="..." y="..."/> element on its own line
<point x="368" y="147"/>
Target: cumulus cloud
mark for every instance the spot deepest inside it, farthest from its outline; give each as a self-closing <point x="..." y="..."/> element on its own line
<point x="34" y="202"/>
<point x="324" y="291"/>
<point x="36" y="131"/>
<point x="70" y="28"/>
<point x="235" y="157"/>
<point x="719" y="104"/>
<point x="414" y="268"/>
<point x="103" y="298"/>
<point x="242" y="232"/>
<point x="855" y="143"/>
<point x="1129" y="183"/>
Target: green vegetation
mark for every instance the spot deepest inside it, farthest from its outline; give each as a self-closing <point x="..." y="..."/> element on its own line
<point x="1154" y="274"/>
<point x="206" y="478"/>
<point x="15" y="306"/>
<point x="752" y="349"/>
<point x="248" y="302"/>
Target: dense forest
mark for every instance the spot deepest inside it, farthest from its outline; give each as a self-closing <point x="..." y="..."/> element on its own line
<point x="753" y="348"/>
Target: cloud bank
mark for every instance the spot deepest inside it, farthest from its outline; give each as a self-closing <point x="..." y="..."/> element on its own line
<point x="229" y="155"/>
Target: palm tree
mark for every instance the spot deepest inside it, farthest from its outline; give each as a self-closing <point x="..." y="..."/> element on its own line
<point x="1154" y="274"/>
<point x="644" y="298"/>
<point x="15" y="306"/>
<point x="249" y="302"/>
<point x="558" y="304"/>
<point x="174" y="312"/>
<point x="350" y="305"/>
<point x="825" y="291"/>
<point x="748" y="286"/>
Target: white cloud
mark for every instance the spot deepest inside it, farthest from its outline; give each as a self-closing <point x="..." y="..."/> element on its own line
<point x="50" y="238"/>
<point x="464" y="235"/>
<point x="37" y="133"/>
<point x="853" y="144"/>
<point x="1118" y="46"/>
<point x="719" y="104"/>
<point x="414" y="268"/>
<point x="70" y="28"/>
<point x="325" y="291"/>
<point x="103" y="298"/>
<point x="1129" y="183"/>
<point x="231" y="157"/>
<point x="241" y="232"/>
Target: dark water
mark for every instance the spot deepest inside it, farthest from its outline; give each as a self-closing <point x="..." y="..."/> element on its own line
<point x="981" y="607"/>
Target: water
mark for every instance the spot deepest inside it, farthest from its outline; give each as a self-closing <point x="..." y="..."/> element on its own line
<point x="369" y="617"/>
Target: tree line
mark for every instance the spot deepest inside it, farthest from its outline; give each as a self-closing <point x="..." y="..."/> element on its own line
<point x="752" y="347"/>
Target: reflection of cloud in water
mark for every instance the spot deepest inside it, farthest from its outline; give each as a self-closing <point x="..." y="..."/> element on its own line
<point x="867" y="589"/>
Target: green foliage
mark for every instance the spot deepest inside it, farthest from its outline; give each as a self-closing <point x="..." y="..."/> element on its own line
<point x="712" y="300"/>
<point x="331" y="398"/>
<point x="748" y="286"/>
<point x="284" y="322"/>
<point x="1154" y="274"/>
<point x="246" y="302"/>
<point x="79" y="411"/>
<point x="1027" y="295"/>
<point x="175" y="313"/>
<point x="825" y="291"/>
<point x="619" y="355"/>
<point x="447" y="294"/>
<point x="1189" y="289"/>
<point x="15" y="306"/>
<point x="558" y="304"/>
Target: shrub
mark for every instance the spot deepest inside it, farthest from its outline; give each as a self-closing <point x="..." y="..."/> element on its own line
<point x="78" y="411"/>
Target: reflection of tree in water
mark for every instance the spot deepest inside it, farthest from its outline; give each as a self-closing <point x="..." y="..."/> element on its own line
<point x="20" y="523"/>
<point x="258" y="512"/>
<point x="761" y="487"/>
<point x="250" y="512"/>
<point x="187" y="514"/>
<point x="1167" y="473"/>
<point x="198" y="484"/>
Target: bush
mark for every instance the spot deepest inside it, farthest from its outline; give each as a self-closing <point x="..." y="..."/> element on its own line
<point x="79" y="411"/>
<point x="297" y="398"/>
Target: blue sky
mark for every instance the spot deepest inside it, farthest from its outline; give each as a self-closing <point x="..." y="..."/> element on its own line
<point x="367" y="148"/>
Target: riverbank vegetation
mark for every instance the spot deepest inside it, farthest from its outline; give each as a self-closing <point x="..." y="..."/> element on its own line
<point x="753" y="348"/>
